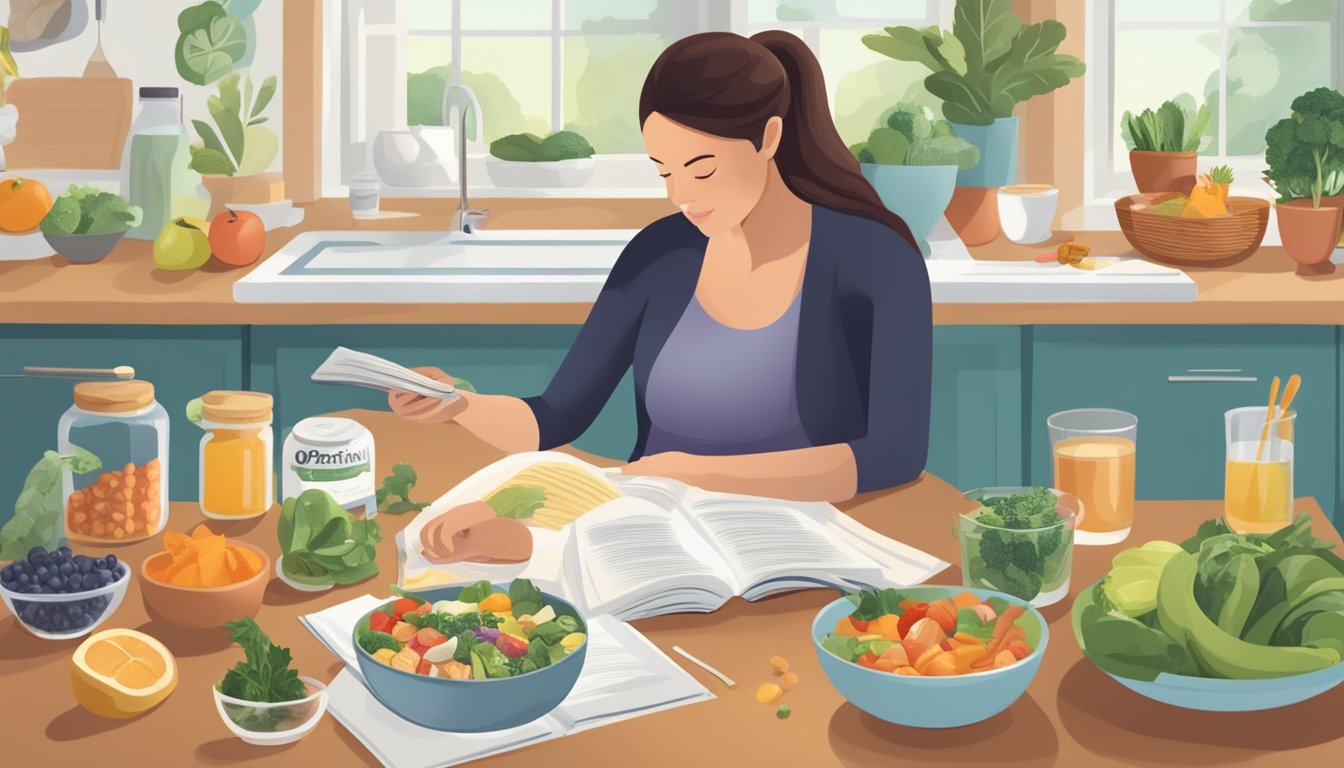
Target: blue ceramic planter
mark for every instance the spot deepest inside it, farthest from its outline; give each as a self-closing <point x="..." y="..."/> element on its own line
<point x="917" y="193"/>
<point x="998" y="153"/>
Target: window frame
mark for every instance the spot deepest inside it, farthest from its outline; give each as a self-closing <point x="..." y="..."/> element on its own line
<point x="1104" y="183"/>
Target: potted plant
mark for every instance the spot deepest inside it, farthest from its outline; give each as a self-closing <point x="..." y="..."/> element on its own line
<point x="1305" y="154"/>
<point x="1163" y="145"/>
<point x="236" y="148"/>
<point x="9" y="114"/>
<point x="981" y="70"/>
<point x="912" y="163"/>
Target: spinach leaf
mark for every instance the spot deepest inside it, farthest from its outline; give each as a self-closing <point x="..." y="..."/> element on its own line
<point x="322" y="544"/>
<point x="488" y="661"/>
<point x="570" y="623"/>
<point x="525" y="597"/>
<point x="550" y="632"/>
<point x="477" y="592"/>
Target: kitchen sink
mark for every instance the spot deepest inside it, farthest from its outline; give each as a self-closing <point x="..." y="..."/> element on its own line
<point x="485" y="266"/>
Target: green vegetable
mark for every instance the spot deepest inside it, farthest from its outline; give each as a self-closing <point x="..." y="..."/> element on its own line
<point x="37" y="520"/>
<point x="373" y="641"/>
<point x="783" y="712"/>
<point x="549" y="632"/>
<point x="264" y="676"/>
<point x="1021" y="543"/>
<point x="987" y="64"/>
<point x="1131" y="585"/>
<point x="970" y="623"/>
<point x="1176" y="126"/>
<point x="323" y="544"/>
<point x="466" y="640"/>
<point x="398" y="485"/>
<point x="9" y="70"/>
<point x="84" y="210"/>
<point x="569" y="623"/>
<point x="517" y="502"/>
<point x="524" y="597"/>
<point x="210" y="42"/>
<point x="869" y="604"/>
<point x="531" y="148"/>
<point x="1305" y="151"/>
<point x="538" y="656"/>
<point x="488" y="661"/>
<point x="475" y="593"/>
<point x="908" y="138"/>
<point x="844" y="646"/>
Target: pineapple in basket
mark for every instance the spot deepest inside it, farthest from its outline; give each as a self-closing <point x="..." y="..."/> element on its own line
<point x="1209" y="197"/>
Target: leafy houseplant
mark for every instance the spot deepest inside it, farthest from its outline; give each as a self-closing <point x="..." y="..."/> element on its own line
<point x="989" y="63"/>
<point x="912" y="163"/>
<point x="9" y="114"/>
<point x="215" y="38"/>
<point x="1163" y="145"/>
<point x="1305" y="153"/>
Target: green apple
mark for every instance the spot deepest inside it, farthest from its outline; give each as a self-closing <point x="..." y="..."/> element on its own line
<point x="183" y="243"/>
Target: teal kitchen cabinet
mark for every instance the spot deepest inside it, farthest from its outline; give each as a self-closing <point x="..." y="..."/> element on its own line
<point x="975" y="430"/>
<point x="500" y="359"/>
<point x="181" y="361"/>
<point x="1179" y="381"/>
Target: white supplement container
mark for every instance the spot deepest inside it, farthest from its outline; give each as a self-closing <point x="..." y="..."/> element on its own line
<point x="335" y="455"/>
<point x="364" y="188"/>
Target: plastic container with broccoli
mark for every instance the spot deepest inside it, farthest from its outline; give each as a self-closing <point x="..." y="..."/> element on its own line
<point x="560" y="159"/>
<point x="1019" y="541"/>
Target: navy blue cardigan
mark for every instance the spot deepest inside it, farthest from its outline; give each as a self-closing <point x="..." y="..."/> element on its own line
<point x="865" y="341"/>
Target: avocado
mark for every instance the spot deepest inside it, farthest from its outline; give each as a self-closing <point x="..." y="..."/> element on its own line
<point x="1217" y="652"/>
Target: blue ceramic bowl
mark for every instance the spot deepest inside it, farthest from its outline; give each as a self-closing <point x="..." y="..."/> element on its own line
<point x="931" y="702"/>
<point x="1212" y="694"/>
<point x="473" y="706"/>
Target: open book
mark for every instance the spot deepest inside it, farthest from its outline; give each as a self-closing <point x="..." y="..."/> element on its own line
<point x="624" y="676"/>
<point x="346" y="366"/>
<point x="664" y="547"/>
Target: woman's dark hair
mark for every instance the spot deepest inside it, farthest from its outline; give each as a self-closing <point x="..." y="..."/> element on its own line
<point x="728" y="85"/>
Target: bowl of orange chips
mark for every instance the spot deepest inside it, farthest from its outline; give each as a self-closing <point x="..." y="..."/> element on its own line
<point x="204" y="579"/>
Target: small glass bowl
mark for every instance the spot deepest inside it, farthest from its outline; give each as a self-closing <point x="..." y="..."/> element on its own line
<point x="1054" y="570"/>
<point x="273" y="724"/>
<point x="97" y="603"/>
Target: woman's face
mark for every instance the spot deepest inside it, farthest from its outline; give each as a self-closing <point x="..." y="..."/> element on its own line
<point x="715" y="181"/>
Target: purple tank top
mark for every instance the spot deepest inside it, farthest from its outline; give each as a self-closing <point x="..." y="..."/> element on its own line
<point x="717" y="390"/>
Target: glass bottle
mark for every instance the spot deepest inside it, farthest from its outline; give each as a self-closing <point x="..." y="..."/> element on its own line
<point x="127" y="498"/>
<point x="236" y="454"/>
<point x="155" y="172"/>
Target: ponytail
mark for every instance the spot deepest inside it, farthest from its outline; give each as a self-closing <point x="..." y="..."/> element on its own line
<point x="728" y="85"/>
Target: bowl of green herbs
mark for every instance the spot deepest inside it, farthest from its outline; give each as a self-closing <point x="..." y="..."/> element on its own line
<point x="262" y="700"/>
<point x="85" y="224"/>
<point x="1019" y="540"/>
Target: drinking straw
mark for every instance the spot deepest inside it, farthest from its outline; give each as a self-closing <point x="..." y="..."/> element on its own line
<point x="1269" y="416"/>
<point x="1289" y="392"/>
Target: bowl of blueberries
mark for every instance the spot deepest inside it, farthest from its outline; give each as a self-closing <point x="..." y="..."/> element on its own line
<point x="58" y="595"/>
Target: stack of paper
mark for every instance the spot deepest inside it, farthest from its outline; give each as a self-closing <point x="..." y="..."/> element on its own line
<point x="624" y="676"/>
<point x="346" y="366"/>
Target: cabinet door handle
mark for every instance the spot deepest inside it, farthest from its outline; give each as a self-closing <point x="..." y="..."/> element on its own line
<point x="1203" y="377"/>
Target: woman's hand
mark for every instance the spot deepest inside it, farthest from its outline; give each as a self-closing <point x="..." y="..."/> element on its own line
<point x="427" y="410"/>
<point x="674" y="464"/>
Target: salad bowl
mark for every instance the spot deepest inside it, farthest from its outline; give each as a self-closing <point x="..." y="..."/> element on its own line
<point x="471" y="705"/>
<point x="932" y="702"/>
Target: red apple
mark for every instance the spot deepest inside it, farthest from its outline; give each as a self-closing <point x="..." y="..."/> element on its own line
<point x="237" y="238"/>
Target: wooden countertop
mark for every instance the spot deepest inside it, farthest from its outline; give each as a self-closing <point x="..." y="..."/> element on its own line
<point x="127" y="288"/>
<point x="1072" y="715"/>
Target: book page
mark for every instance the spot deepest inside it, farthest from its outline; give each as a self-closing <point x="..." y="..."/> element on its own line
<point x="347" y="366"/>
<point x="773" y="545"/>
<point x="633" y="558"/>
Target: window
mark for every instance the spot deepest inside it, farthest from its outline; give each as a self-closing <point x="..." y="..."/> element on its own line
<point x="1245" y="59"/>
<point x="544" y="65"/>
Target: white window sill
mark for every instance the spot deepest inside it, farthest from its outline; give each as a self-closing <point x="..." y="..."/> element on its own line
<point x="486" y="192"/>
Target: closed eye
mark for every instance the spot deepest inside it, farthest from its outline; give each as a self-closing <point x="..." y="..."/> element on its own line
<point x="707" y="175"/>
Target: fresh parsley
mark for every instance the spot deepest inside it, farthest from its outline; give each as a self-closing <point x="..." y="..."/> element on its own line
<point x="264" y="676"/>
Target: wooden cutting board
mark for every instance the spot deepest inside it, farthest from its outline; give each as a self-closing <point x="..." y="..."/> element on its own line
<point x="69" y="122"/>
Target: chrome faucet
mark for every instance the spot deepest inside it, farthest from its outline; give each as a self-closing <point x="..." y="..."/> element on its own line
<point x="461" y="98"/>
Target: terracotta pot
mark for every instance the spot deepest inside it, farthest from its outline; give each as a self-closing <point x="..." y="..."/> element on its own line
<point x="974" y="214"/>
<point x="204" y="607"/>
<point x="1163" y="171"/>
<point x="1309" y="234"/>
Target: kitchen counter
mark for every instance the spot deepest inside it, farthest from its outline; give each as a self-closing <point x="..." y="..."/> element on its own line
<point x="126" y="287"/>
<point x="1071" y="715"/>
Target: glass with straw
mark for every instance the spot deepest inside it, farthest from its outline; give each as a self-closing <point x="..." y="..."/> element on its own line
<point x="1258" y="490"/>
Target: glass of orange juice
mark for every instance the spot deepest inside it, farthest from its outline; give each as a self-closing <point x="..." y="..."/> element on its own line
<point x="1094" y="460"/>
<point x="1258" y="491"/>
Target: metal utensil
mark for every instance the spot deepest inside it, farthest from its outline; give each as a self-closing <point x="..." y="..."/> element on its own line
<point x="98" y="65"/>
<point x="121" y="372"/>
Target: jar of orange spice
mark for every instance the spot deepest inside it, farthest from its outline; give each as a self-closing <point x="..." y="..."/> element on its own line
<point x="126" y="499"/>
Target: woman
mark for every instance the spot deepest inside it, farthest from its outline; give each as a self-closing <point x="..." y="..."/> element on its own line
<point x="780" y="327"/>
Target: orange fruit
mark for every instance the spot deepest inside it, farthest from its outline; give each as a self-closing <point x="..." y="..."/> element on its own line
<point x="120" y="673"/>
<point x="23" y="203"/>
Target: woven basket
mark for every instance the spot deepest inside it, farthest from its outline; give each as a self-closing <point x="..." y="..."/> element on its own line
<point x="1194" y="242"/>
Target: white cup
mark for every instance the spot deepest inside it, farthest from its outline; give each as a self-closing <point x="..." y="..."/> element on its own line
<point x="1027" y="212"/>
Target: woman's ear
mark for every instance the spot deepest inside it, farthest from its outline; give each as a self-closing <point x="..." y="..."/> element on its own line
<point x="770" y="137"/>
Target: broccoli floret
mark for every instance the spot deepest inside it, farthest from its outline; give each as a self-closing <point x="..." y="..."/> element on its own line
<point x="994" y="550"/>
<point x="565" y="145"/>
<point x="911" y="122"/>
<point x="1020" y="583"/>
<point x="944" y="150"/>
<point x="1022" y="553"/>
<point x="1322" y="101"/>
<point x="888" y="146"/>
<point x="942" y="128"/>
<point x="987" y="516"/>
<point x="1030" y="502"/>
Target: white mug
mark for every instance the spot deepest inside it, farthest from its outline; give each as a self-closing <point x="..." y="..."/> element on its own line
<point x="1027" y="212"/>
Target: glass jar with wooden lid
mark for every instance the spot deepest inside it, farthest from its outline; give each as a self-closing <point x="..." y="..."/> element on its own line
<point x="236" y="454"/>
<point x="126" y="498"/>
